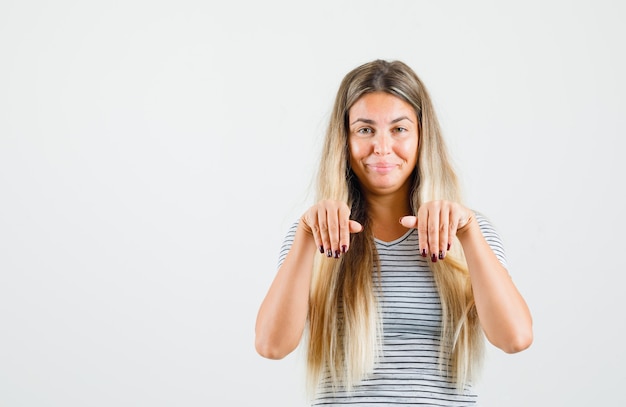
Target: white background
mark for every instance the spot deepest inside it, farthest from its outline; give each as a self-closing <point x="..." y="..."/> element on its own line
<point x="153" y="154"/>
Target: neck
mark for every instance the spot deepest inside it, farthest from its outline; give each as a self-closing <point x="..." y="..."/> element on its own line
<point x="385" y="212"/>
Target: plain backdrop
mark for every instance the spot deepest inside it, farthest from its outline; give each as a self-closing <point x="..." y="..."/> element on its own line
<point x="154" y="153"/>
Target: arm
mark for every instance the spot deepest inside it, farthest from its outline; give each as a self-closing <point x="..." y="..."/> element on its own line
<point x="282" y="316"/>
<point x="503" y="313"/>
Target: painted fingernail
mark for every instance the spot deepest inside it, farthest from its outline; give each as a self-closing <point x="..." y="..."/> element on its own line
<point x="337" y="254"/>
<point x="433" y="258"/>
<point x="440" y="255"/>
<point x="322" y="249"/>
<point x="448" y="246"/>
<point x="329" y="253"/>
<point x="344" y="248"/>
<point x="423" y="252"/>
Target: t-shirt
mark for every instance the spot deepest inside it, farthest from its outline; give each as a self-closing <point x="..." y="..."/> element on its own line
<point x="408" y="372"/>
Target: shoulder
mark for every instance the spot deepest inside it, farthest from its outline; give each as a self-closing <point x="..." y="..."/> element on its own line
<point x="291" y="231"/>
<point x="491" y="235"/>
<point x="287" y="241"/>
<point x="485" y="224"/>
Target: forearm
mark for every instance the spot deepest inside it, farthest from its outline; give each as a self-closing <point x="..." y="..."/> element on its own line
<point x="282" y="315"/>
<point x="503" y="313"/>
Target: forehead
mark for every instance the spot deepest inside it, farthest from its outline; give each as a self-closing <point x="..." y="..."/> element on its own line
<point x="381" y="107"/>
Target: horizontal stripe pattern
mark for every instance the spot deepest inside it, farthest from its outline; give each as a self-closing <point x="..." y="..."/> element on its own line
<point x="408" y="372"/>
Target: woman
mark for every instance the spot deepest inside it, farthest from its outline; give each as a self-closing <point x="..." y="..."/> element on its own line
<point x="407" y="280"/>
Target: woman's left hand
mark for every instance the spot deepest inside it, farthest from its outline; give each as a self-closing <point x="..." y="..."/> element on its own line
<point x="437" y="223"/>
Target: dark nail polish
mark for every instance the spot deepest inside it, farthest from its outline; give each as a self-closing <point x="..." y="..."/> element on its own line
<point x="433" y="258"/>
<point x="344" y="248"/>
<point x="440" y="255"/>
<point x="337" y="254"/>
<point x="329" y="253"/>
<point x="322" y="249"/>
<point x="423" y="252"/>
<point x="448" y="246"/>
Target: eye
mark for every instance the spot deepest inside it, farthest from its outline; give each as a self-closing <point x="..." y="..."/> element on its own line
<point x="365" y="131"/>
<point x="401" y="129"/>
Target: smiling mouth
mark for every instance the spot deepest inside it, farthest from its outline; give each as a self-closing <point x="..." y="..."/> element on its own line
<point x="382" y="168"/>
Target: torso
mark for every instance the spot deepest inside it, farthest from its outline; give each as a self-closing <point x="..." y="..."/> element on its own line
<point x="408" y="372"/>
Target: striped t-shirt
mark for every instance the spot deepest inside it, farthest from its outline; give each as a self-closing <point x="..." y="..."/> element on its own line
<point x="408" y="372"/>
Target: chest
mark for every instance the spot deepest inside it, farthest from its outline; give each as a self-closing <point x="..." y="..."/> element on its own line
<point x="409" y="298"/>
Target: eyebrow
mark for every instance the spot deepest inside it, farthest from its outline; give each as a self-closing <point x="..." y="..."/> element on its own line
<point x="369" y="121"/>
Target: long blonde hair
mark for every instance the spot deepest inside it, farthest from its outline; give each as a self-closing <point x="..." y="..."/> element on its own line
<point x="344" y="322"/>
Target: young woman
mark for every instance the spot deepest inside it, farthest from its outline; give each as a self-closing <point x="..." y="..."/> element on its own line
<point x="392" y="282"/>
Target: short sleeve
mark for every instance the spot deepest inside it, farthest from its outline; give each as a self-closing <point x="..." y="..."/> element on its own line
<point x="492" y="237"/>
<point x="287" y="242"/>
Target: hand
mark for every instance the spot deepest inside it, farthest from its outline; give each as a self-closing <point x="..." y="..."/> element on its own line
<point x="437" y="223"/>
<point x="330" y="225"/>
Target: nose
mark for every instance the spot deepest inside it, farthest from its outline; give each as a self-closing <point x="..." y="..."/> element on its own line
<point x="382" y="143"/>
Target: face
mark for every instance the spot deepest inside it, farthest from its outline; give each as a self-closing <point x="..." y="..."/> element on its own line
<point x="383" y="141"/>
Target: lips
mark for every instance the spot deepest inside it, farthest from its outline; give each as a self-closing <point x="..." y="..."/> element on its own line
<point x="382" y="167"/>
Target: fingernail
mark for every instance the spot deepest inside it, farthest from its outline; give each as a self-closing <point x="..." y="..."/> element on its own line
<point x="433" y="258"/>
<point x="344" y="248"/>
<point x="440" y="255"/>
<point x="322" y="249"/>
<point x="337" y="254"/>
<point x="329" y="253"/>
<point x="448" y="246"/>
<point x="423" y="252"/>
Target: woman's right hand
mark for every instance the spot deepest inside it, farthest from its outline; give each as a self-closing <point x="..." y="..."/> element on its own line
<point x="329" y="223"/>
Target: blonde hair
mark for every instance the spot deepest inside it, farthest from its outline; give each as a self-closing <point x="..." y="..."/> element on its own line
<point x="344" y="321"/>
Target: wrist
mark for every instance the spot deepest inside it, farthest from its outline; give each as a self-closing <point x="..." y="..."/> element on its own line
<point x="468" y="227"/>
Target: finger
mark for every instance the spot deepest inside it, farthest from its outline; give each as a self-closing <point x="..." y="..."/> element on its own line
<point x="334" y="222"/>
<point x="322" y="221"/>
<point x="355" y="227"/>
<point x="433" y="234"/>
<point x="422" y="230"/>
<point x="444" y="231"/>
<point x="454" y="225"/>
<point x="352" y="226"/>
<point x="343" y="236"/>
<point x="451" y="233"/>
<point x="409" y="221"/>
<point x="338" y="229"/>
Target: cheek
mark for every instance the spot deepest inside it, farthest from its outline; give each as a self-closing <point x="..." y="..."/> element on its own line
<point x="409" y="151"/>
<point x="356" y="150"/>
